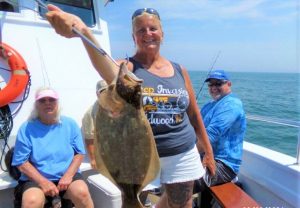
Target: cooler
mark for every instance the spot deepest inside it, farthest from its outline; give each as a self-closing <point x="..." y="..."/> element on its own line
<point x="104" y="193"/>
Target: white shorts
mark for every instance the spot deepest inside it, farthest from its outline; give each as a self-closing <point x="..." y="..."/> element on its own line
<point x="183" y="167"/>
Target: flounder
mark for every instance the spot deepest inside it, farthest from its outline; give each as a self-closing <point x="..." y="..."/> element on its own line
<point x="125" y="147"/>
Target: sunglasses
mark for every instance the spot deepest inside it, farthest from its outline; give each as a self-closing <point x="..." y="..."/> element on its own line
<point x="44" y="100"/>
<point x="147" y="10"/>
<point x="216" y="84"/>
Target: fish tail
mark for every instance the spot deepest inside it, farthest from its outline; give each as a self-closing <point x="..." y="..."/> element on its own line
<point x="131" y="203"/>
<point x="130" y="195"/>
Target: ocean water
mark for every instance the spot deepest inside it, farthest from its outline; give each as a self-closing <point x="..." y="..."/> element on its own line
<point x="274" y="96"/>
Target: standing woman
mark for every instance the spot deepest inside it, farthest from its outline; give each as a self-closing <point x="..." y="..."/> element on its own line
<point x="174" y="116"/>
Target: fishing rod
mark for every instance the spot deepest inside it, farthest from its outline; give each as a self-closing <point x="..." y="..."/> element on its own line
<point x="74" y="30"/>
<point x="211" y="68"/>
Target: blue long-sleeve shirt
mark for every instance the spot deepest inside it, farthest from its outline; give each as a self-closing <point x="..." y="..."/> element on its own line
<point x="225" y="123"/>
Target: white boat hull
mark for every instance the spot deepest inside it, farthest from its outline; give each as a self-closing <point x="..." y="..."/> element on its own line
<point x="270" y="177"/>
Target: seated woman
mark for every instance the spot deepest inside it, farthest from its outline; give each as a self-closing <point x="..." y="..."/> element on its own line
<point x="49" y="150"/>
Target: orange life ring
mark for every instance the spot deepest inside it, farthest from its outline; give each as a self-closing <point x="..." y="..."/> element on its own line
<point x="19" y="74"/>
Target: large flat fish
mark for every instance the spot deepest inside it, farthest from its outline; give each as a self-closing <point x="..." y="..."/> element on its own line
<point x="124" y="147"/>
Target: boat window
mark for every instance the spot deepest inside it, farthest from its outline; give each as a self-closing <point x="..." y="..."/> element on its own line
<point x="11" y="6"/>
<point x="82" y="8"/>
<point x="79" y="3"/>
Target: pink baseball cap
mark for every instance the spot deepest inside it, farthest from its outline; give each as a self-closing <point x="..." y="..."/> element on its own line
<point x="47" y="92"/>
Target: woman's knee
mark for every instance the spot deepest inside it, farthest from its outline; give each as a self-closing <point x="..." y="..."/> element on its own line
<point x="33" y="197"/>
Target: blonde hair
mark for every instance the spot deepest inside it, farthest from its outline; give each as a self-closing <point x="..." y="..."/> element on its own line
<point x="34" y="112"/>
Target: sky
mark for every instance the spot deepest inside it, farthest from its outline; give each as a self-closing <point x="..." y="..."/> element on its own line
<point x="248" y="35"/>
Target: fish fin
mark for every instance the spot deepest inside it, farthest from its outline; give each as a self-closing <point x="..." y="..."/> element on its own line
<point x="100" y="165"/>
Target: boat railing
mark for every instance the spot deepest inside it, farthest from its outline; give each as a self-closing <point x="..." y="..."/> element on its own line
<point x="284" y="122"/>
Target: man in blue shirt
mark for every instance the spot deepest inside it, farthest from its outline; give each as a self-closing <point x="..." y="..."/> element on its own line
<point x="225" y="122"/>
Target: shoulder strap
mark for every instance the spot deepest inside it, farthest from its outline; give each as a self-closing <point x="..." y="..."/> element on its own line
<point x="178" y="68"/>
<point x="134" y="63"/>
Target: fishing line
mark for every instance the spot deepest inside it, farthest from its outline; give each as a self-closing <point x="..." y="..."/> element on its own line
<point x="43" y="66"/>
<point x="211" y="68"/>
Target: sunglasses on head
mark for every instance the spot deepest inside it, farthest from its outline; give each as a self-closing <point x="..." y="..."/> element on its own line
<point x="147" y="10"/>
<point x="217" y="83"/>
<point x="44" y="100"/>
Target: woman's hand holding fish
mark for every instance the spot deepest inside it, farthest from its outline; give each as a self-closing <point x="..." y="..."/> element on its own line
<point x="63" y="22"/>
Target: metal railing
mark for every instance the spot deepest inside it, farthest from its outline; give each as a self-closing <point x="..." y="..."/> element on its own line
<point x="283" y="122"/>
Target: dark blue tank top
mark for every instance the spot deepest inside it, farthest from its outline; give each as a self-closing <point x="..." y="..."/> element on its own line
<point x="165" y="101"/>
